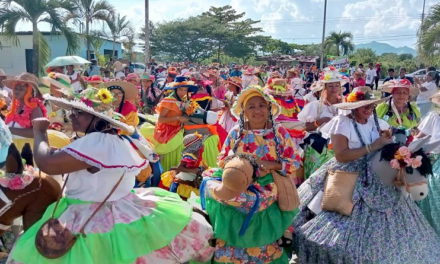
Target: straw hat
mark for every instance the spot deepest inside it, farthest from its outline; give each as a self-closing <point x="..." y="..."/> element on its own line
<point x="24" y="78"/>
<point x="435" y="98"/>
<point x="119" y="66"/>
<point x="251" y="70"/>
<point x="97" y="102"/>
<point x="278" y="87"/>
<point x="331" y="75"/>
<point x="399" y="83"/>
<point x="209" y="73"/>
<point x="94" y="79"/>
<point x="130" y="90"/>
<point x="182" y="81"/>
<point x="148" y="77"/>
<point x="235" y="81"/>
<point x="255" y="90"/>
<point x="57" y="79"/>
<point x="193" y="142"/>
<point x="359" y="97"/>
<point x="359" y="72"/>
<point x="275" y="74"/>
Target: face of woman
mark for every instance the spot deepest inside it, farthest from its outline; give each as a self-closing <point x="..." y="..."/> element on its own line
<point x="20" y="90"/>
<point x="55" y="91"/>
<point x="146" y="83"/>
<point x="400" y="96"/>
<point x="117" y="94"/>
<point x="233" y="88"/>
<point x="182" y="91"/>
<point x="213" y="79"/>
<point x="364" y="112"/>
<point x="133" y="81"/>
<point x="81" y="120"/>
<point x="429" y="78"/>
<point x="69" y="68"/>
<point x="333" y="88"/>
<point x="256" y="110"/>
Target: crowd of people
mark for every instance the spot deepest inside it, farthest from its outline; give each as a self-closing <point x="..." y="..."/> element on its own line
<point x="222" y="164"/>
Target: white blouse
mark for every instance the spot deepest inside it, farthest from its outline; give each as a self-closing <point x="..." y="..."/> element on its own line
<point x="343" y="125"/>
<point x="113" y="156"/>
<point x="430" y="126"/>
<point x="310" y="112"/>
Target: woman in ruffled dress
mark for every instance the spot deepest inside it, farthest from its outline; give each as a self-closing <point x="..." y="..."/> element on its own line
<point x="160" y="226"/>
<point x="430" y="206"/>
<point x="271" y="146"/>
<point x="317" y="113"/>
<point x="227" y="120"/>
<point x="399" y="111"/>
<point x="370" y="221"/>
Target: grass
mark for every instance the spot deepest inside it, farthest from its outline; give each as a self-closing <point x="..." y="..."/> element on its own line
<point x="44" y="89"/>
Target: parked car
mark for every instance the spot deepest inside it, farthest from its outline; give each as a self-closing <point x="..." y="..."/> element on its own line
<point x="139" y="67"/>
<point x="418" y="74"/>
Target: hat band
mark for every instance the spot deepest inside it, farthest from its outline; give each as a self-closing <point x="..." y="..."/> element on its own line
<point x="62" y="81"/>
<point x="250" y="95"/>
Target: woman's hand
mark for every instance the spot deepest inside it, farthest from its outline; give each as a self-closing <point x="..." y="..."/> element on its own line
<point x="182" y="119"/>
<point x="323" y="120"/>
<point x="266" y="166"/>
<point x="380" y="142"/>
<point x="40" y="125"/>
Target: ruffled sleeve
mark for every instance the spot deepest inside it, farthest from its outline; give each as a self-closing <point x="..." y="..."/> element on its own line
<point x="429" y="122"/>
<point x="310" y="112"/>
<point x="106" y="151"/>
<point x="339" y="125"/>
<point x="290" y="157"/>
<point x="227" y="146"/>
<point x="382" y="109"/>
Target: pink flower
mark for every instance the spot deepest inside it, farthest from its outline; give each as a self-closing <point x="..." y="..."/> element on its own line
<point x="4" y="181"/>
<point x="395" y="164"/>
<point x="408" y="161"/>
<point x="416" y="162"/>
<point x="16" y="183"/>
<point x="87" y="102"/>
<point x="404" y="151"/>
<point x="27" y="178"/>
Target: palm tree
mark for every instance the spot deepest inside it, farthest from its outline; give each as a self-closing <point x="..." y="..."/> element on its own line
<point x="429" y="41"/>
<point x="119" y="28"/>
<point x="35" y="12"/>
<point x="341" y="41"/>
<point x="89" y="11"/>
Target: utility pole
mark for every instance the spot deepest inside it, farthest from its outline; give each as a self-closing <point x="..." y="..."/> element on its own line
<point x="419" y="60"/>
<point x="323" y="35"/>
<point x="147" y="37"/>
<point x="423" y="13"/>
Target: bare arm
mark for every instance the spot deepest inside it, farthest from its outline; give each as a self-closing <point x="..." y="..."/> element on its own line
<point x="81" y="80"/>
<point x="420" y="135"/>
<point x="163" y="118"/>
<point x="52" y="163"/>
<point x="27" y="132"/>
<point x="311" y="126"/>
<point x="345" y="154"/>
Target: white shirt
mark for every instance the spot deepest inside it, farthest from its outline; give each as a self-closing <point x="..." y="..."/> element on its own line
<point x="370" y="76"/>
<point x="430" y="126"/>
<point x="311" y="113"/>
<point x="423" y="97"/>
<point x="343" y="125"/>
<point x="310" y="97"/>
<point x="75" y="83"/>
<point x="119" y="75"/>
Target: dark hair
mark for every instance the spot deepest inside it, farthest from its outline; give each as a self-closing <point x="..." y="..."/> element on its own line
<point x="247" y="157"/>
<point x="431" y="68"/>
<point x="435" y="75"/>
<point x="360" y="64"/>
<point x="403" y="69"/>
<point x="390" y="111"/>
<point x="121" y="105"/>
<point x="389" y="151"/>
<point x="390" y="70"/>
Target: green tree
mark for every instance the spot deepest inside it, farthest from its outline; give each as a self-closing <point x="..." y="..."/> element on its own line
<point x="429" y="41"/>
<point x="277" y="46"/>
<point x="119" y="28"/>
<point x="35" y="12"/>
<point x="342" y="41"/>
<point x="88" y="12"/>
<point x="364" y="56"/>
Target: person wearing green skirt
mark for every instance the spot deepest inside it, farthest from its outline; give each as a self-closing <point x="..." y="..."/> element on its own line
<point x="149" y="225"/>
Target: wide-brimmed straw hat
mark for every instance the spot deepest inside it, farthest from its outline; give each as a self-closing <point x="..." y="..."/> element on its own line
<point x="3" y="74"/>
<point x="331" y="74"/>
<point x="209" y="73"/>
<point x="148" y="77"/>
<point x="359" y="97"/>
<point x="275" y="74"/>
<point x="24" y="78"/>
<point x="251" y="70"/>
<point x="316" y="86"/>
<point x="119" y="66"/>
<point x="278" y="86"/>
<point x="435" y="98"/>
<point x="94" y="79"/>
<point x="132" y="76"/>
<point x="57" y="79"/>
<point x="130" y="90"/>
<point x="249" y="92"/>
<point x="235" y="81"/>
<point x="97" y="102"/>
<point x="182" y="81"/>
<point x="399" y="83"/>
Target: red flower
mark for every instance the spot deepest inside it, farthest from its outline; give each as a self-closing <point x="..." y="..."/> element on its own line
<point x="288" y="152"/>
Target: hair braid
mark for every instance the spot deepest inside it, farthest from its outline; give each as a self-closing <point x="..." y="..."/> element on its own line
<point x="376" y="120"/>
<point x="356" y="128"/>
<point x="240" y="132"/>
<point x="277" y="141"/>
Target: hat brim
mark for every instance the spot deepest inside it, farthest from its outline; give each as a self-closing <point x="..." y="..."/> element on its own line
<point x="289" y="92"/>
<point x="130" y="90"/>
<point x="238" y="105"/>
<point x="389" y="89"/>
<point x="69" y="105"/>
<point x="48" y="81"/>
<point x="355" y="105"/>
<point x="11" y="84"/>
<point x="234" y="83"/>
<point x="191" y="88"/>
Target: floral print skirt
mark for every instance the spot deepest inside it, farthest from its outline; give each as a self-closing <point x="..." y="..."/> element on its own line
<point x="385" y="226"/>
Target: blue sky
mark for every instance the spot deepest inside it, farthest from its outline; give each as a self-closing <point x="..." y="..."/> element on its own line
<point x="300" y="21"/>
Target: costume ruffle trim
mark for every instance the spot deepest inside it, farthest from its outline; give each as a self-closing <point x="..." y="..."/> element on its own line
<point x="95" y="163"/>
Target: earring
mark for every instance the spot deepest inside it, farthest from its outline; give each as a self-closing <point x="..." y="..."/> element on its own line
<point x="102" y="130"/>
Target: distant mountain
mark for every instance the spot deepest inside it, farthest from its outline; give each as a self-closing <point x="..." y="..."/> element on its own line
<point x="381" y="48"/>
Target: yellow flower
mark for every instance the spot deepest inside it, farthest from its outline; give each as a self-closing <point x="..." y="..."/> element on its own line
<point x="351" y="98"/>
<point x="105" y="96"/>
<point x="52" y="114"/>
<point x="327" y="77"/>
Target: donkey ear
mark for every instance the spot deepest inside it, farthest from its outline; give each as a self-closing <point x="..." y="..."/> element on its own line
<point x="418" y="144"/>
<point x="27" y="155"/>
<point x="431" y="146"/>
<point x="14" y="163"/>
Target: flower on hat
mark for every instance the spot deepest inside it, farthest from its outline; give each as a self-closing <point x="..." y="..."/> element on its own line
<point x="105" y="96"/>
<point x="326" y="77"/>
<point x="87" y="102"/>
<point x="52" y="75"/>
